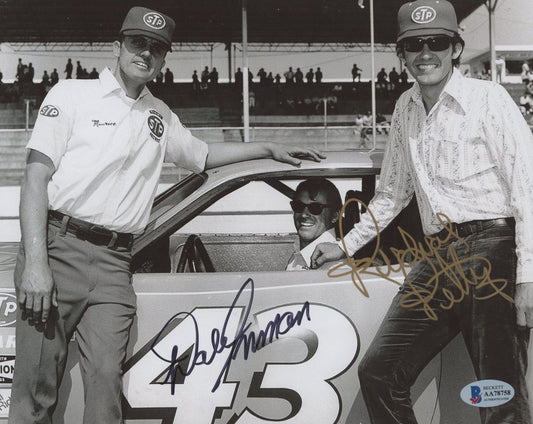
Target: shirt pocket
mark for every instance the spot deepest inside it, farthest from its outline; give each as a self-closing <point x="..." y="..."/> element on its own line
<point x="462" y="160"/>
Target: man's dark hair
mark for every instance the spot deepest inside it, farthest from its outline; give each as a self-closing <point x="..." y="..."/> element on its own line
<point x="314" y="186"/>
<point x="455" y="39"/>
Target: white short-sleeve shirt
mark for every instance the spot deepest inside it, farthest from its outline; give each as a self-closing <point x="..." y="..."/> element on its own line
<point x="108" y="150"/>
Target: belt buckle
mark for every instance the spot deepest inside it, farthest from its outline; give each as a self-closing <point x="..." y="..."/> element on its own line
<point x="98" y="230"/>
<point x="96" y="234"/>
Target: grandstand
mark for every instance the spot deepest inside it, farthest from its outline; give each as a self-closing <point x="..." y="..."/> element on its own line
<point x="321" y="114"/>
<point x="216" y="116"/>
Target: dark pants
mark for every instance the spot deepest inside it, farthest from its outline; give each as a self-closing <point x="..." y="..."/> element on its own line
<point x="97" y="301"/>
<point x="408" y="338"/>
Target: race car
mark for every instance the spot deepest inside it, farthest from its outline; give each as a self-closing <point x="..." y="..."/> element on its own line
<point x="225" y="335"/>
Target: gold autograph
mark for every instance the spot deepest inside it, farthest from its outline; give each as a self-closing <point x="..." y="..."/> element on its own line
<point x="457" y="270"/>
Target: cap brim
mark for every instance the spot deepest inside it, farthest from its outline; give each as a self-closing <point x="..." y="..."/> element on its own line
<point x="425" y="31"/>
<point x="149" y="35"/>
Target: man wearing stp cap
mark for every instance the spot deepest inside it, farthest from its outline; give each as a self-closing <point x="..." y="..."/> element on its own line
<point x="462" y="146"/>
<point x="93" y="166"/>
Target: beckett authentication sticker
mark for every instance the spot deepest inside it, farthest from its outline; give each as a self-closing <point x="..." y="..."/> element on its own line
<point x="487" y="393"/>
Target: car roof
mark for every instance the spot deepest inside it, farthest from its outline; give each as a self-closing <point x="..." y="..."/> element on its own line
<point x="345" y="159"/>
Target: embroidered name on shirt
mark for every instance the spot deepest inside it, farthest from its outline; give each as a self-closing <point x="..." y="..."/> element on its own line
<point x="156" y="126"/>
<point x="97" y="123"/>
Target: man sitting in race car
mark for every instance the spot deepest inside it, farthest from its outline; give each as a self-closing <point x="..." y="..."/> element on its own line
<point x="316" y="206"/>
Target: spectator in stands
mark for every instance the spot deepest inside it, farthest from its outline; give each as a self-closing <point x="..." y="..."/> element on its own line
<point x="382" y="81"/>
<point x="68" y="68"/>
<point x="332" y="102"/>
<point x="1" y="76"/>
<point x="394" y="78"/>
<point x="262" y="76"/>
<point x="169" y="77"/>
<point x="299" y="76"/>
<point x="251" y="99"/>
<point x="382" y="126"/>
<point x="356" y="73"/>
<point x="159" y="78"/>
<point x="359" y="122"/>
<point x="20" y="70"/>
<point x="250" y="77"/>
<point x="289" y="76"/>
<point x="403" y="78"/>
<point x="316" y="207"/>
<point x="309" y="76"/>
<point x="269" y="79"/>
<point x="366" y="130"/>
<point x="238" y="77"/>
<point x="318" y="76"/>
<point x="79" y="70"/>
<point x="213" y="77"/>
<point x="54" y="77"/>
<point x="195" y="82"/>
<point x="500" y="68"/>
<point x="45" y="80"/>
<point x="277" y="79"/>
<point x="204" y="78"/>
<point x="31" y="73"/>
<point x="526" y="103"/>
<point x="93" y="75"/>
<point x="525" y="72"/>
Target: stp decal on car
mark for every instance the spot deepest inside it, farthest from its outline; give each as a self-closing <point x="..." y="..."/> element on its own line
<point x="8" y="309"/>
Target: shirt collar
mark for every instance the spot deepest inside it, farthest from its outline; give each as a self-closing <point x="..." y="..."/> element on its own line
<point x="110" y="84"/>
<point x="326" y="237"/>
<point x="454" y="89"/>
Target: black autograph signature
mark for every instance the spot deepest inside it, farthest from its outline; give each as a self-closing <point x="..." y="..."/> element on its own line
<point x="456" y="269"/>
<point x="250" y="341"/>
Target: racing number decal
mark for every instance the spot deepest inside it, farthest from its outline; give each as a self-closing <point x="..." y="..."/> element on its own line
<point x="193" y="398"/>
<point x="330" y="340"/>
<point x="332" y="346"/>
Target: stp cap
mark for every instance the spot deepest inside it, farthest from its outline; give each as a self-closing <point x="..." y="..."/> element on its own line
<point x="426" y="17"/>
<point x="147" y="22"/>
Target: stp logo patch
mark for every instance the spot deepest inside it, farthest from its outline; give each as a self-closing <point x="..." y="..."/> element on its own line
<point x="50" y="111"/>
<point x="156" y="126"/>
<point x="423" y="15"/>
<point x="154" y="20"/>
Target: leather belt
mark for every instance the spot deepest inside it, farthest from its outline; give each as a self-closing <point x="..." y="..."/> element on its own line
<point x="464" y="229"/>
<point x="95" y="234"/>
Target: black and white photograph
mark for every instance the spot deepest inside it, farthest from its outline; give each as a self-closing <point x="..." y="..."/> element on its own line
<point x="253" y="212"/>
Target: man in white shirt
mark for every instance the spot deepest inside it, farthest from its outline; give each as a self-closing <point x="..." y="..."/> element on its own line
<point x="463" y="147"/>
<point x="316" y="206"/>
<point x="93" y="166"/>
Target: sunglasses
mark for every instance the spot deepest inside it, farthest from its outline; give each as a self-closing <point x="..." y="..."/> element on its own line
<point x="139" y="43"/>
<point x="314" y="208"/>
<point x="435" y="44"/>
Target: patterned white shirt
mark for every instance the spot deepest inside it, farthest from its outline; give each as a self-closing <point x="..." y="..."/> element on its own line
<point x="470" y="157"/>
